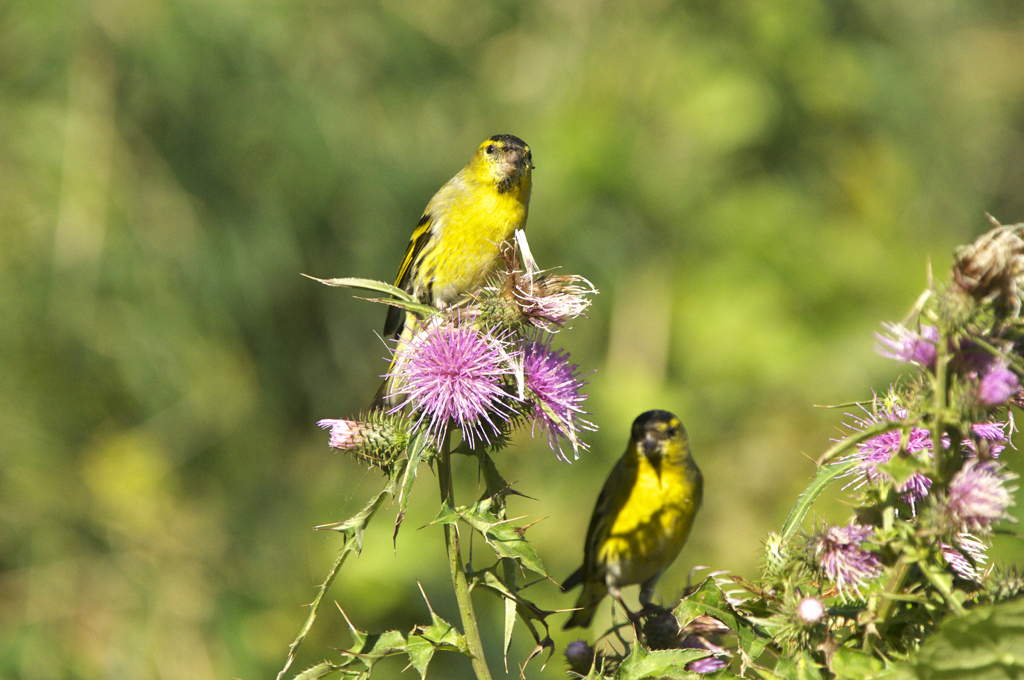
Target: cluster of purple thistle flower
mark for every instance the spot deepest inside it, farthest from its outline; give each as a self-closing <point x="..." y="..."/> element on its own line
<point x="978" y="495"/>
<point x="994" y="382"/>
<point x="482" y="372"/>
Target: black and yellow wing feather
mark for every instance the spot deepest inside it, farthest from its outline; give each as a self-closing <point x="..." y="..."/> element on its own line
<point x="404" y="279"/>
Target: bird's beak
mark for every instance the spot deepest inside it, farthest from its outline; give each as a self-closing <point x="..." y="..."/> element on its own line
<point x="652" y="451"/>
<point x="514" y="162"/>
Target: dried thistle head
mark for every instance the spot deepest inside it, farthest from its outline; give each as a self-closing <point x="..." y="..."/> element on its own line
<point x="522" y="299"/>
<point x="992" y="268"/>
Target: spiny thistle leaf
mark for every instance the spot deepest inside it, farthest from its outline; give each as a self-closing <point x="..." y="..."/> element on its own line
<point x="505" y="586"/>
<point x="352" y="529"/>
<point x="800" y="667"/>
<point x="644" y="664"/>
<point x="503" y="538"/>
<point x="419" y="645"/>
<point x="417" y="452"/>
<point x="825" y="476"/>
<point x="322" y="670"/>
<point x="986" y="642"/>
<point x="854" y="664"/>
<point x="709" y="600"/>
<point x="365" y="284"/>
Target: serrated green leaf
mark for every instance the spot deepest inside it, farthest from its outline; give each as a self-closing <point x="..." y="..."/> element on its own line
<point x="401" y="298"/>
<point x="800" y="667"/>
<point x="445" y="516"/>
<point x="527" y="611"/>
<point x="378" y="645"/>
<point x="365" y="284"/>
<point x="322" y="670"/>
<point x="444" y="635"/>
<point x="986" y="643"/>
<point x="503" y="538"/>
<point x="709" y="600"/>
<point x="508" y="567"/>
<point x="901" y="468"/>
<point x="415" y="454"/>
<point x="669" y="663"/>
<point x="853" y="664"/>
<point x="495" y="486"/>
<point x="826" y="474"/>
<point x="352" y="529"/>
<point x="420" y="651"/>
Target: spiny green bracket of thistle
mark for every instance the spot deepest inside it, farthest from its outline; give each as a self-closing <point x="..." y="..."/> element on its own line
<point x="923" y="466"/>
<point x="480" y="369"/>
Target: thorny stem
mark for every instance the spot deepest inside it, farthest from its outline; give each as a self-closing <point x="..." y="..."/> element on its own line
<point x="313" y="608"/>
<point x="953" y="603"/>
<point x="451" y="539"/>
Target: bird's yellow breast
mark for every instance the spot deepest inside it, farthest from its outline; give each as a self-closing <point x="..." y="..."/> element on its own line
<point x="653" y="524"/>
<point x="475" y="225"/>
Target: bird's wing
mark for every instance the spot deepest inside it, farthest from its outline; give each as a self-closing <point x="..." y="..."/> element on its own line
<point x="420" y="237"/>
<point x="613" y="495"/>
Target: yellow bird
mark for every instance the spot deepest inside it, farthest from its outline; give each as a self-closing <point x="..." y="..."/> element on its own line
<point x="459" y="239"/>
<point x="642" y="518"/>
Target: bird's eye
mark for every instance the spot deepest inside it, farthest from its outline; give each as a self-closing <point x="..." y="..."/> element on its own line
<point x="490" y="148"/>
<point x="671" y="432"/>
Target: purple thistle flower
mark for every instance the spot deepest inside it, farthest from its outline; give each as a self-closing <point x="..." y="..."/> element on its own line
<point x="973" y="546"/>
<point x="992" y="436"/>
<point x="880" y="449"/>
<point x="998" y="385"/>
<point x="838" y="554"/>
<point x="708" y="664"/>
<point x="991" y="431"/>
<point x="555" y="392"/>
<point x="958" y="563"/>
<point x="906" y="345"/>
<point x="345" y="434"/>
<point x="451" y="372"/>
<point x="978" y="495"/>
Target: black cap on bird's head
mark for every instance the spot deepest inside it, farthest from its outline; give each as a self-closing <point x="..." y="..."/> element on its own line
<point x="652" y="429"/>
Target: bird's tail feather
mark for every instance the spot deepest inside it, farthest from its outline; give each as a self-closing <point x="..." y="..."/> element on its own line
<point x="590" y="598"/>
<point x="574" y="580"/>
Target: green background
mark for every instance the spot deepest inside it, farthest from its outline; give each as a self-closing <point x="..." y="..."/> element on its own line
<point x="753" y="187"/>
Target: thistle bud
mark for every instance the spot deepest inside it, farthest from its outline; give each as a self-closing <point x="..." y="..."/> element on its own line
<point x="810" y="610"/>
<point x="580" y="656"/>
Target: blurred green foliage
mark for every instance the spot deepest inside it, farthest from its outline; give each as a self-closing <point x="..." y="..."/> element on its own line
<point x="753" y="187"/>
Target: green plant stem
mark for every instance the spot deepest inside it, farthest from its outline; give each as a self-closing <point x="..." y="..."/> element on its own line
<point x="940" y="404"/>
<point x="943" y="590"/>
<point x="459" y="581"/>
<point x="895" y="584"/>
